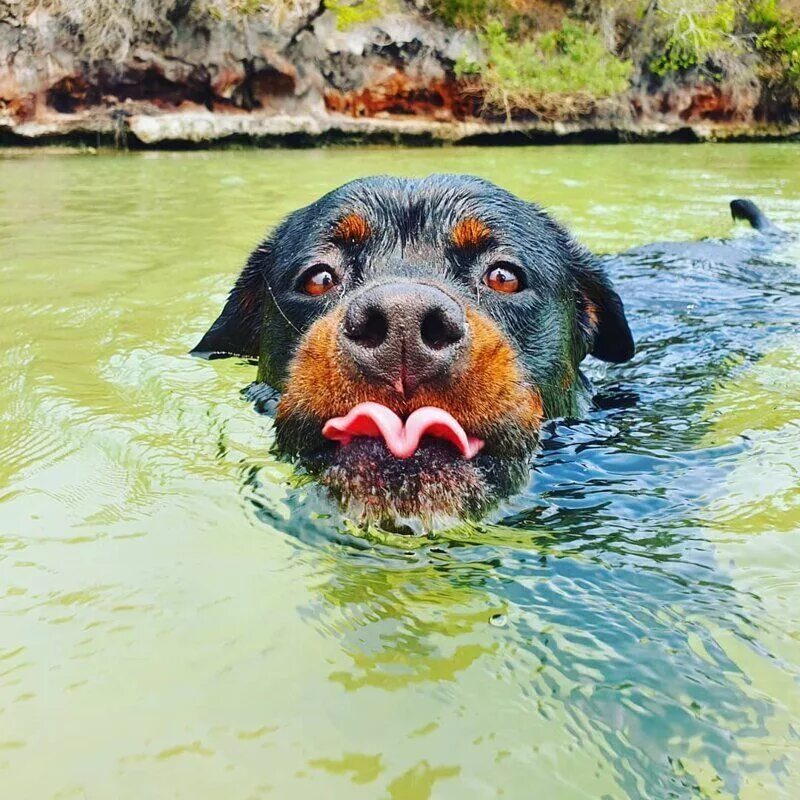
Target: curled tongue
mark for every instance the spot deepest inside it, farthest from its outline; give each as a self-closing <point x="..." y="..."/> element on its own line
<point x="374" y="419"/>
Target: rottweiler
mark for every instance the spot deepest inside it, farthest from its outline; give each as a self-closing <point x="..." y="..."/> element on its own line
<point x="419" y="332"/>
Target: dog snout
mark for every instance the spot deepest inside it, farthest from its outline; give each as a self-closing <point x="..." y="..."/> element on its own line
<point x="404" y="334"/>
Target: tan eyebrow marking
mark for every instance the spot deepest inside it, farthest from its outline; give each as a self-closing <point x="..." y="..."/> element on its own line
<point x="352" y="229"/>
<point x="592" y="314"/>
<point x="470" y="234"/>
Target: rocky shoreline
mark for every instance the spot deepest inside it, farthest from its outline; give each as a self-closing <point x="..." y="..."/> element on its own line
<point x="192" y="128"/>
<point x="303" y="79"/>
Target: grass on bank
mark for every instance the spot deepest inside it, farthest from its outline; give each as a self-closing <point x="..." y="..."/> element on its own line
<point x="598" y="46"/>
<point x="690" y="32"/>
<point x="777" y="39"/>
<point x="542" y="74"/>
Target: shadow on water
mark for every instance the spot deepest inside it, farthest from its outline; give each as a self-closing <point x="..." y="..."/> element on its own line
<point x="602" y="578"/>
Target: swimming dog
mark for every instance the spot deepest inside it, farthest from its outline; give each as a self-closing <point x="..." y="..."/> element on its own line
<point x="418" y="333"/>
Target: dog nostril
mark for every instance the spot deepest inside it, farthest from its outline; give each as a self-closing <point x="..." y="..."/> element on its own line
<point x="439" y="330"/>
<point x="370" y="331"/>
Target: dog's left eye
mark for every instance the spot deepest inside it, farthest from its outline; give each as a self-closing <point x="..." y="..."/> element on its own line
<point x="318" y="280"/>
<point x="503" y="278"/>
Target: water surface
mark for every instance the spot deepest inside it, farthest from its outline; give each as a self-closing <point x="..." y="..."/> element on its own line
<point x="179" y="619"/>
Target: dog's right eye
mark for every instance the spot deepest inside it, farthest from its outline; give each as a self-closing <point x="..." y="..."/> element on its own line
<point x="318" y="280"/>
<point x="503" y="277"/>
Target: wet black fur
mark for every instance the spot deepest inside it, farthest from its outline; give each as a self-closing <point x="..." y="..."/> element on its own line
<point x="411" y="222"/>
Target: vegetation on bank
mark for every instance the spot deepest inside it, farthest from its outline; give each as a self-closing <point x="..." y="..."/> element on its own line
<point x="544" y="56"/>
<point x="595" y="49"/>
<point x="777" y="40"/>
<point x="546" y="71"/>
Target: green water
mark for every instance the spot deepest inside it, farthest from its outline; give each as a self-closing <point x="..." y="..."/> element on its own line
<point x="174" y="622"/>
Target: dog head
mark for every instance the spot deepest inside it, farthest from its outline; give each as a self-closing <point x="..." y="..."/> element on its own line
<point x="419" y="331"/>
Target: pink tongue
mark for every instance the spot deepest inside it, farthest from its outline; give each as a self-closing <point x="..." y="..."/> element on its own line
<point x="374" y="419"/>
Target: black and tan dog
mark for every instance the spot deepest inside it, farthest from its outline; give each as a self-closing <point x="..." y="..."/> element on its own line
<point x="419" y="332"/>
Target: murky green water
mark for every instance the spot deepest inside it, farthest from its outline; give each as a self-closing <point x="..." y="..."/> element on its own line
<point x="175" y="622"/>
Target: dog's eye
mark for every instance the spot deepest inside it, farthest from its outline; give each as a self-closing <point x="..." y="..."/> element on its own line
<point x="318" y="280"/>
<point x="503" y="278"/>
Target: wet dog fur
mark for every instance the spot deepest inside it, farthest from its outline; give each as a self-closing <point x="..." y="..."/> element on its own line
<point x="530" y="302"/>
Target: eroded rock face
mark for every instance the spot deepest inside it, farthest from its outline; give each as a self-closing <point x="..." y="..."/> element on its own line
<point x="193" y="77"/>
<point x="698" y="99"/>
<point x="202" y="62"/>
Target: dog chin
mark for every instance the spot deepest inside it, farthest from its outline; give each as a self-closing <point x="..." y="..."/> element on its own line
<point x="435" y="485"/>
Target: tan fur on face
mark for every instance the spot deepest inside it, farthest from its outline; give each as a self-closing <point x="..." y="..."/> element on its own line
<point x="352" y="229"/>
<point x="487" y="389"/>
<point x="470" y="234"/>
<point x="592" y="314"/>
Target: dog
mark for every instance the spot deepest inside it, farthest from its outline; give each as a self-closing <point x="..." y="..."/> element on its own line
<point x="419" y="332"/>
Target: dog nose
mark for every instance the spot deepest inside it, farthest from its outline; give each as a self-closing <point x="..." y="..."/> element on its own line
<point x="404" y="334"/>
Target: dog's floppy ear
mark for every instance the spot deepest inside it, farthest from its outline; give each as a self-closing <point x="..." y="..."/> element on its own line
<point x="237" y="330"/>
<point x="602" y="316"/>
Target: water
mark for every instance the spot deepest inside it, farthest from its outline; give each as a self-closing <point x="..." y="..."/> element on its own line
<point x="179" y="619"/>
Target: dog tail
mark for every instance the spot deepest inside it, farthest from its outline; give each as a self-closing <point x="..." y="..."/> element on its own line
<point x="748" y="210"/>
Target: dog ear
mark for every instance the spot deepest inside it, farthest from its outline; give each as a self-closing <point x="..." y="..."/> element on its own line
<point x="237" y="330"/>
<point x="602" y="317"/>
